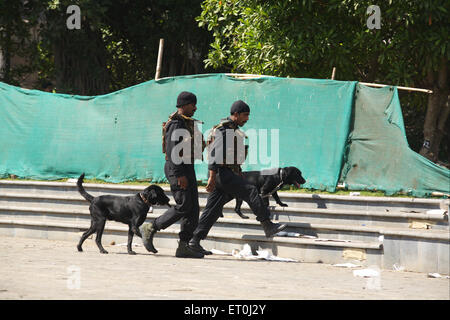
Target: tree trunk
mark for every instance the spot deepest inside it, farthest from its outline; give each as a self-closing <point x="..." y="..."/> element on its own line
<point x="80" y="62"/>
<point x="437" y="112"/>
<point x="7" y="56"/>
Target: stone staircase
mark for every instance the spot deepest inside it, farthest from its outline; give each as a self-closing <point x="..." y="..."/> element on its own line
<point x="382" y="231"/>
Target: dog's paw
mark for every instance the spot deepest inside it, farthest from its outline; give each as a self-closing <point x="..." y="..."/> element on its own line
<point x="104" y="252"/>
<point x="283" y="204"/>
<point x="131" y="252"/>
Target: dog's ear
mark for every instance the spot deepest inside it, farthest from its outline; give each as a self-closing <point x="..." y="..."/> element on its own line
<point x="153" y="194"/>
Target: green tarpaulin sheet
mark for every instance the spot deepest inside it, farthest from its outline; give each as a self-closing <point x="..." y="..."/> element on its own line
<point x="117" y="137"/>
<point x="378" y="156"/>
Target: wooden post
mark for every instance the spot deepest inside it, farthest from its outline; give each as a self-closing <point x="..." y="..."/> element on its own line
<point x="159" y="62"/>
<point x="333" y="73"/>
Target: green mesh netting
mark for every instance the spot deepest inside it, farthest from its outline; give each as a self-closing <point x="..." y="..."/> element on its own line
<point x="378" y="155"/>
<point x="117" y="137"/>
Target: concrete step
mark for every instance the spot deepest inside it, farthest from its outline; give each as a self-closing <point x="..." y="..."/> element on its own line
<point x="380" y="231"/>
<point x="292" y="199"/>
<point x="303" y="249"/>
<point x="339" y="232"/>
<point x="292" y="214"/>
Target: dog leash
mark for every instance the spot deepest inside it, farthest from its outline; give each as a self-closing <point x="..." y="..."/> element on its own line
<point x="278" y="187"/>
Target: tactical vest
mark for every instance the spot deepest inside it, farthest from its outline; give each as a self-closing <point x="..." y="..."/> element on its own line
<point x="228" y="124"/>
<point x="191" y="126"/>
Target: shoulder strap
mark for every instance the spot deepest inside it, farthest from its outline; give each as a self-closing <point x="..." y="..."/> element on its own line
<point x="164" y="128"/>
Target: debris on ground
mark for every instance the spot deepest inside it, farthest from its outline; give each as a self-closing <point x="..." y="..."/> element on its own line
<point x="366" y="273"/>
<point x="246" y="254"/>
<point x="437" y="275"/>
<point x="347" y="265"/>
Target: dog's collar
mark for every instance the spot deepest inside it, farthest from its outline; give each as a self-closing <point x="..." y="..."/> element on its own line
<point x="145" y="200"/>
<point x="278" y="187"/>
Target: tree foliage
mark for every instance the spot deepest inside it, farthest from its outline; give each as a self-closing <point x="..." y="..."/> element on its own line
<point x="307" y="38"/>
<point x="116" y="47"/>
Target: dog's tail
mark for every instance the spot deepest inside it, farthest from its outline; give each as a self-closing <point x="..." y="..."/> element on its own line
<point x="81" y="190"/>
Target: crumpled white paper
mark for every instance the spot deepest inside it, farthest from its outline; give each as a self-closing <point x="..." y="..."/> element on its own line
<point x="347" y="265"/>
<point x="366" y="273"/>
<point x="437" y="213"/>
<point x="220" y="252"/>
<point x="294" y="234"/>
<point x="437" y="275"/>
<point x="397" y="267"/>
<point x="246" y="254"/>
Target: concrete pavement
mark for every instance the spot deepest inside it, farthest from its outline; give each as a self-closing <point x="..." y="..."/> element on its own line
<point x="53" y="269"/>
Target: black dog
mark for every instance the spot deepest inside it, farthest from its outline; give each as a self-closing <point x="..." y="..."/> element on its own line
<point x="269" y="182"/>
<point x="131" y="210"/>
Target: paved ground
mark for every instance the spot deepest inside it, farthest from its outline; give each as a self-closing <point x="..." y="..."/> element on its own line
<point x="50" y="269"/>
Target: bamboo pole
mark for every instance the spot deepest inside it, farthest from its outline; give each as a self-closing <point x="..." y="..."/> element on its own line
<point x="159" y="62"/>
<point x="333" y="75"/>
<point x="398" y="87"/>
<point x="246" y="75"/>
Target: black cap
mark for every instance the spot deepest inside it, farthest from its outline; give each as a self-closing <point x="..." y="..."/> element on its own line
<point x="185" y="98"/>
<point x="239" y="107"/>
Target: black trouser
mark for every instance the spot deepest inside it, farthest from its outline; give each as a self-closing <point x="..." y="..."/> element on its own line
<point x="187" y="208"/>
<point x="229" y="186"/>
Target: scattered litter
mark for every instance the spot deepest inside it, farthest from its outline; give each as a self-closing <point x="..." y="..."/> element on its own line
<point x="355" y="193"/>
<point x="437" y="213"/>
<point x="287" y="234"/>
<point x="354" y="254"/>
<point x="294" y="235"/>
<point x="150" y="210"/>
<point x="366" y="273"/>
<point x="246" y="254"/>
<point x="113" y="243"/>
<point x="437" y="275"/>
<point x="396" y="267"/>
<point x="335" y="240"/>
<point x="72" y="180"/>
<point x="219" y="252"/>
<point x="347" y="265"/>
<point x="264" y="254"/>
<point x="419" y="224"/>
<point x="381" y="238"/>
<point x="125" y="244"/>
<point x="307" y="237"/>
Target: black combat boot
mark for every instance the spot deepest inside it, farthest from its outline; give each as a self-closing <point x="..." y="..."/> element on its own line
<point x="194" y="244"/>
<point x="148" y="231"/>
<point x="270" y="228"/>
<point x="183" y="251"/>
